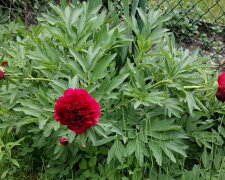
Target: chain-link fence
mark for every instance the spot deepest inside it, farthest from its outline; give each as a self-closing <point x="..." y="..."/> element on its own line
<point x="199" y="23"/>
<point x="27" y="10"/>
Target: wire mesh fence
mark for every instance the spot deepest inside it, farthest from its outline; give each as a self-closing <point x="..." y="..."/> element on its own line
<point x="199" y="23"/>
<point x="27" y="10"/>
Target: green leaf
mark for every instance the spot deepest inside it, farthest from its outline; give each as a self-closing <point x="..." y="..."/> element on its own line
<point x="221" y="131"/>
<point x="191" y="102"/>
<point x="126" y="7"/>
<point x="57" y="149"/>
<point x="43" y="98"/>
<point x="71" y="136"/>
<point x="104" y="140"/>
<point x="173" y="107"/>
<point x="205" y="158"/>
<point x="92" y="162"/>
<point x="75" y="67"/>
<point x="60" y="84"/>
<point x="75" y="15"/>
<point x="13" y="96"/>
<point x="74" y="82"/>
<point x="99" y="70"/>
<point x="42" y="123"/>
<point x="139" y="153"/>
<point x="164" y="125"/>
<point x="84" y="64"/>
<point x="82" y="138"/>
<point x="156" y="152"/>
<point x="58" y="11"/>
<point x="15" y="162"/>
<point x="111" y="153"/>
<point x="100" y="130"/>
<point x="131" y="146"/>
<point x="67" y="13"/>
<point x="135" y="25"/>
<point x="168" y="153"/>
<point x="1" y="155"/>
<point x="28" y="111"/>
<point x="176" y="147"/>
<point x="168" y="57"/>
<point x="51" y="52"/>
<point x="117" y="81"/>
<point x="91" y="135"/>
<point x="120" y="151"/>
<point x="4" y="173"/>
<point x="83" y="164"/>
<point x="55" y="125"/>
<point x="199" y="103"/>
<point x="47" y="131"/>
<point x="142" y="14"/>
<point x="16" y="143"/>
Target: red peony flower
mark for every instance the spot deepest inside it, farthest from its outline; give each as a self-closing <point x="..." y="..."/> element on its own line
<point x="4" y="63"/>
<point x="2" y="73"/>
<point x="77" y="109"/>
<point x="63" y="141"/>
<point x="220" y="94"/>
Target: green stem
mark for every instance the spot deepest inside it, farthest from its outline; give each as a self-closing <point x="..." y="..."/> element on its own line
<point x="161" y="82"/>
<point x="36" y="79"/>
<point x="89" y="79"/>
<point x="192" y="87"/>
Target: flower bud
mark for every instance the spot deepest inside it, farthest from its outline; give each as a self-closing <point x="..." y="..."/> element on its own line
<point x="4" y="63"/>
<point x="63" y="141"/>
<point x="2" y="73"/>
<point x="220" y="94"/>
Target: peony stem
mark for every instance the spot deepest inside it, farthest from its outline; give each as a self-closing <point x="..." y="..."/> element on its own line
<point x="37" y="79"/>
<point x="161" y="82"/>
<point x="191" y="87"/>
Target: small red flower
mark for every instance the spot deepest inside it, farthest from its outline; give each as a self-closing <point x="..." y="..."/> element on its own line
<point x="220" y="94"/>
<point x="4" y="63"/>
<point x="2" y="73"/>
<point x="63" y="141"/>
<point x="77" y="109"/>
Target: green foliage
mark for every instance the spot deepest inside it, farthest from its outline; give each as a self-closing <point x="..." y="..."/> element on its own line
<point x="160" y="119"/>
<point x="6" y="158"/>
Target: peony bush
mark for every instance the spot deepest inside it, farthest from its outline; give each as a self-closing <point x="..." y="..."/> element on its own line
<point x="159" y="116"/>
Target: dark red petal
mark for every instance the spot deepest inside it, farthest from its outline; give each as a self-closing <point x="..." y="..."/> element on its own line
<point x="77" y="129"/>
<point x="220" y="95"/>
<point x="68" y="91"/>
